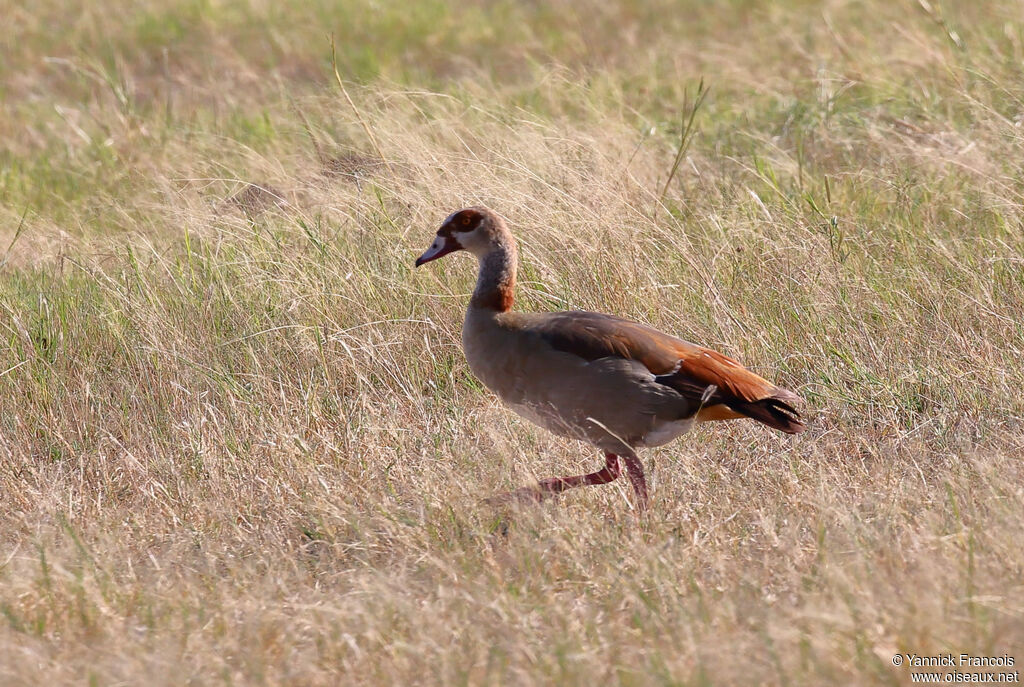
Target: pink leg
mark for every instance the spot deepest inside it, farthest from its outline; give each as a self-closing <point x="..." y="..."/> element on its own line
<point x="609" y="473"/>
<point x="556" y="485"/>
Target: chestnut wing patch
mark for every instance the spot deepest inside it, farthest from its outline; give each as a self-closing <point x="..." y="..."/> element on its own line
<point x="706" y="367"/>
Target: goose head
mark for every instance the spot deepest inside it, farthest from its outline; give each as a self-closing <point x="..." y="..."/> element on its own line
<point x="475" y="229"/>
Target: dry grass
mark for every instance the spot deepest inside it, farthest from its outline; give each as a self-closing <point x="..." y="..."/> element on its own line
<point x="238" y="440"/>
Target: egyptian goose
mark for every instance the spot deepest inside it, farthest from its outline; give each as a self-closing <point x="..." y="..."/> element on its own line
<point x="616" y="384"/>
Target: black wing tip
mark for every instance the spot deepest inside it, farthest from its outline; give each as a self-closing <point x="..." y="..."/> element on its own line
<point x="774" y="412"/>
<point x="788" y="417"/>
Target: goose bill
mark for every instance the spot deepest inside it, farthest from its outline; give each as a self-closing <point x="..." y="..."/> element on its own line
<point x="439" y="248"/>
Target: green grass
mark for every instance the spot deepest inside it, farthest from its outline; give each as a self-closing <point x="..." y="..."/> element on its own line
<point x="239" y="443"/>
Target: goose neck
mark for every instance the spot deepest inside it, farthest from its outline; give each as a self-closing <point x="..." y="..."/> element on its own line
<point x="496" y="280"/>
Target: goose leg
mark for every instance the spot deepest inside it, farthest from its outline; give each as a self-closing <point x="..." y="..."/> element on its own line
<point x="556" y="485"/>
<point x="635" y="472"/>
<point x="610" y="472"/>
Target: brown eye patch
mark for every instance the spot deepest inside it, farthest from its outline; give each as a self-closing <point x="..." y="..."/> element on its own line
<point x="462" y="221"/>
<point x="466" y="220"/>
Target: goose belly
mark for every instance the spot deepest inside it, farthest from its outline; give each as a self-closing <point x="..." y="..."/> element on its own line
<point x="612" y="404"/>
<point x="664" y="432"/>
<point x="548" y="418"/>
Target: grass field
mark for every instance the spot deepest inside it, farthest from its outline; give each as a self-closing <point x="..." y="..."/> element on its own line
<point x="239" y="443"/>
